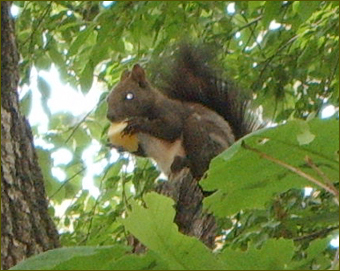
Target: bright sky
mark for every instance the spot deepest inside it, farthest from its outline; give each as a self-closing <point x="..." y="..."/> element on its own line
<point x="66" y="99"/>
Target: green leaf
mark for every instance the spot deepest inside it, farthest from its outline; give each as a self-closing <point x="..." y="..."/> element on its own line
<point x="80" y="40"/>
<point x="68" y="25"/>
<point x="43" y="62"/>
<point x="254" y="5"/>
<point x="314" y="251"/>
<point x="149" y="261"/>
<point x="74" y="258"/>
<point x="274" y="255"/>
<point x="44" y="88"/>
<point x="305" y="136"/>
<point x="306" y="8"/>
<point x="51" y="184"/>
<point x="100" y="52"/>
<point x="26" y="103"/>
<point x="119" y="45"/>
<point x="86" y="77"/>
<point x="310" y="52"/>
<point x="325" y="219"/>
<point x="271" y="12"/>
<point x="57" y="57"/>
<point x="239" y="173"/>
<point x="154" y="227"/>
<point x="80" y="139"/>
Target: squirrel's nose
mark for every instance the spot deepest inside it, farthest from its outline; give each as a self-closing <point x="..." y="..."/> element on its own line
<point x="110" y="116"/>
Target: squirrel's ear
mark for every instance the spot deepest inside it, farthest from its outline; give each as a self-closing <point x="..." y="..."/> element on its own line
<point x="124" y="75"/>
<point x="138" y="74"/>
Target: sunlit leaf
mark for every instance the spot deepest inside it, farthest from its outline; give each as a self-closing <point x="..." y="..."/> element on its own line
<point x="241" y="173"/>
<point x="154" y="227"/>
<point x="79" y="258"/>
<point x="26" y="103"/>
<point x="86" y="77"/>
<point x="274" y="255"/>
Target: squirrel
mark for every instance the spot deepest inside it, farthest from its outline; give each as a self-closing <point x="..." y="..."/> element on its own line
<point x="193" y="118"/>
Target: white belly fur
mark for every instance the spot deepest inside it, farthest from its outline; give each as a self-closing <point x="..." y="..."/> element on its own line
<point x="161" y="151"/>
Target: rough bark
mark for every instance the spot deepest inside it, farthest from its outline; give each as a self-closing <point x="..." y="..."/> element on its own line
<point x="26" y="227"/>
<point x="190" y="217"/>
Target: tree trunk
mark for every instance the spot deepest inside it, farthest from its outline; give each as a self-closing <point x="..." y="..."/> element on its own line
<point x="26" y="227"/>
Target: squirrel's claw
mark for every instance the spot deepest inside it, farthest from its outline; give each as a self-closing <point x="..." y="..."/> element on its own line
<point x="133" y="126"/>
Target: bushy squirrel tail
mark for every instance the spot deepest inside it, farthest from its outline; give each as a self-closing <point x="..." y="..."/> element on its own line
<point x="191" y="76"/>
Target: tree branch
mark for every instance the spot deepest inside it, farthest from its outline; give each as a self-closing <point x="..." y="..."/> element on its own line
<point x="322" y="175"/>
<point x="317" y="234"/>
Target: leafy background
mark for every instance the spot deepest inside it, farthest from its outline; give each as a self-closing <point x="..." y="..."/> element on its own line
<point x="286" y="53"/>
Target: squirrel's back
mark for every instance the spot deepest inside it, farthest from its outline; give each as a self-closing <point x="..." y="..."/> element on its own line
<point x="192" y="77"/>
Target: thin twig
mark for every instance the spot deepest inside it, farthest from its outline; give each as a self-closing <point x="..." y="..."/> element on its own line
<point x="245" y="26"/>
<point x="93" y="211"/>
<point x="66" y="182"/>
<point x="84" y="118"/>
<point x="317" y="234"/>
<point x="321" y="174"/>
<point x="293" y="169"/>
<point x="335" y="68"/>
<point x="269" y="60"/>
<point x="254" y="37"/>
<point x="40" y="20"/>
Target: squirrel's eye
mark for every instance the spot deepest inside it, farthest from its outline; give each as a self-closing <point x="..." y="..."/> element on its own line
<point x="129" y="96"/>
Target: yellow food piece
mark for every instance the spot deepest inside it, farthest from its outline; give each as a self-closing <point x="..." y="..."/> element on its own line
<point x="128" y="142"/>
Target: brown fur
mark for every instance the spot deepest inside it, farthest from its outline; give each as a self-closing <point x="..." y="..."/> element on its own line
<point x="168" y="129"/>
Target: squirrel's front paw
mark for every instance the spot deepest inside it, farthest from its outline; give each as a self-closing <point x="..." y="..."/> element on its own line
<point x="133" y="126"/>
